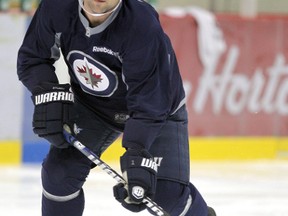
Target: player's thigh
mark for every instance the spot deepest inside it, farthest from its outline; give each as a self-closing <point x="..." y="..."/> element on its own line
<point x="90" y="129"/>
<point x="66" y="170"/>
<point x="171" y="149"/>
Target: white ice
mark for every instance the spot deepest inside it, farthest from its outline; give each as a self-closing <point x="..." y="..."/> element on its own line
<point x="257" y="188"/>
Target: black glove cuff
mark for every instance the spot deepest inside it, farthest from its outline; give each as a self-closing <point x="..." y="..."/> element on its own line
<point x="138" y="158"/>
<point x="48" y="92"/>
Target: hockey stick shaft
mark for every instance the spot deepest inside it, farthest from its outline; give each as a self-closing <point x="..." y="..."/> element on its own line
<point x="154" y="207"/>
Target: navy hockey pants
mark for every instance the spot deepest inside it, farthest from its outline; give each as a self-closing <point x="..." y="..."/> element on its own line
<point x="64" y="171"/>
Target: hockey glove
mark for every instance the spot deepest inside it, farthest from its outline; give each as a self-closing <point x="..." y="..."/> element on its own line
<point x="139" y="170"/>
<point x="52" y="104"/>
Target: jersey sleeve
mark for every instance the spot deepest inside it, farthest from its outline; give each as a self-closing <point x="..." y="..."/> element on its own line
<point x="148" y="74"/>
<point x="39" y="50"/>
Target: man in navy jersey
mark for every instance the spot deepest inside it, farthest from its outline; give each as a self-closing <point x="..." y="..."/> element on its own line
<point x="124" y="78"/>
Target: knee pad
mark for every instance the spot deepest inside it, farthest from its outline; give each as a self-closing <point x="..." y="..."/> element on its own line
<point x="172" y="196"/>
<point x="73" y="207"/>
<point x="197" y="206"/>
<point x="59" y="188"/>
<point x="62" y="179"/>
<point x="180" y="199"/>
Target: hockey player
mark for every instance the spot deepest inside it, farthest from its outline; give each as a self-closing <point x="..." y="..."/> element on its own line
<point x="124" y="78"/>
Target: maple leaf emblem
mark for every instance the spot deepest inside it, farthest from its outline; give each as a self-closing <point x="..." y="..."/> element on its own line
<point x="86" y="72"/>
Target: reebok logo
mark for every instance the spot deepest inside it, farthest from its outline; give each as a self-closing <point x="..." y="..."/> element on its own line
<point x="107" y="51"/>
<point x="54" y="96"/>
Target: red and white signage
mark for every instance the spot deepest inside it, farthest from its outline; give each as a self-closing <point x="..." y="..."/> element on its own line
<point x="235" y="73"/>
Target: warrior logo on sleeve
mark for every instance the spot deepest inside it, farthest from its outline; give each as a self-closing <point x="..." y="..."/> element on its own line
<point x="94" y="77"/>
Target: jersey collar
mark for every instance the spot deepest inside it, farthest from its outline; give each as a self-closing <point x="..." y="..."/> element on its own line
<point x="100" y="28"/>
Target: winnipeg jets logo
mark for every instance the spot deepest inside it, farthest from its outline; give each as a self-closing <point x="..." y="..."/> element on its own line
<point x="91" y="78"/>
<point x="94" y="77"/>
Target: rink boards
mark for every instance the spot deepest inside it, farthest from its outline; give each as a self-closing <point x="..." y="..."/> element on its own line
<point x="214" y="148"/>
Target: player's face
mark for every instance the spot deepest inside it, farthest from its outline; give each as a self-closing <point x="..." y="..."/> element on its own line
<point x="100" y="6"/>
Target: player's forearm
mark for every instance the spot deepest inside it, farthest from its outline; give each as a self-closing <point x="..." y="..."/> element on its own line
<point x="32" y="75"/>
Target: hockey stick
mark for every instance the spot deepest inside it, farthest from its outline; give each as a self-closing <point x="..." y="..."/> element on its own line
<point x="154" y="207"/>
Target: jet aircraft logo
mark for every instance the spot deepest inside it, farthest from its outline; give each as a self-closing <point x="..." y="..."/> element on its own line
<point x="94" y="77"/>
<point x="91" y="78"/>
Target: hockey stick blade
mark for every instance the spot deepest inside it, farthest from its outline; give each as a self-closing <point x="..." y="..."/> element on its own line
<point x="154" y="207"/>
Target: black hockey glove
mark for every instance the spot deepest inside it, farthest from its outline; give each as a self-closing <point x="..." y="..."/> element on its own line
<point x="140" y="172"/>
<point x="52" y="103"/>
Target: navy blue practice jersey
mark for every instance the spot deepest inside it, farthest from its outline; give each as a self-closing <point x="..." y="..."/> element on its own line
<point x="126" y="65"/>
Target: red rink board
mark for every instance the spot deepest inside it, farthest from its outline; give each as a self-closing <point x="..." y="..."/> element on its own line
<point x="245" y="93"/>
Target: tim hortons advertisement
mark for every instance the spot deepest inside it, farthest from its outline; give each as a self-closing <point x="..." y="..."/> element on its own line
<point x="235" y="72"/>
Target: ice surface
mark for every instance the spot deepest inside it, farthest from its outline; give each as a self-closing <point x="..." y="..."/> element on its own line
<point x="258" y="188"/>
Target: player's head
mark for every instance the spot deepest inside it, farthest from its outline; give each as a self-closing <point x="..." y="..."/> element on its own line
<point x="99" y="7"/>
